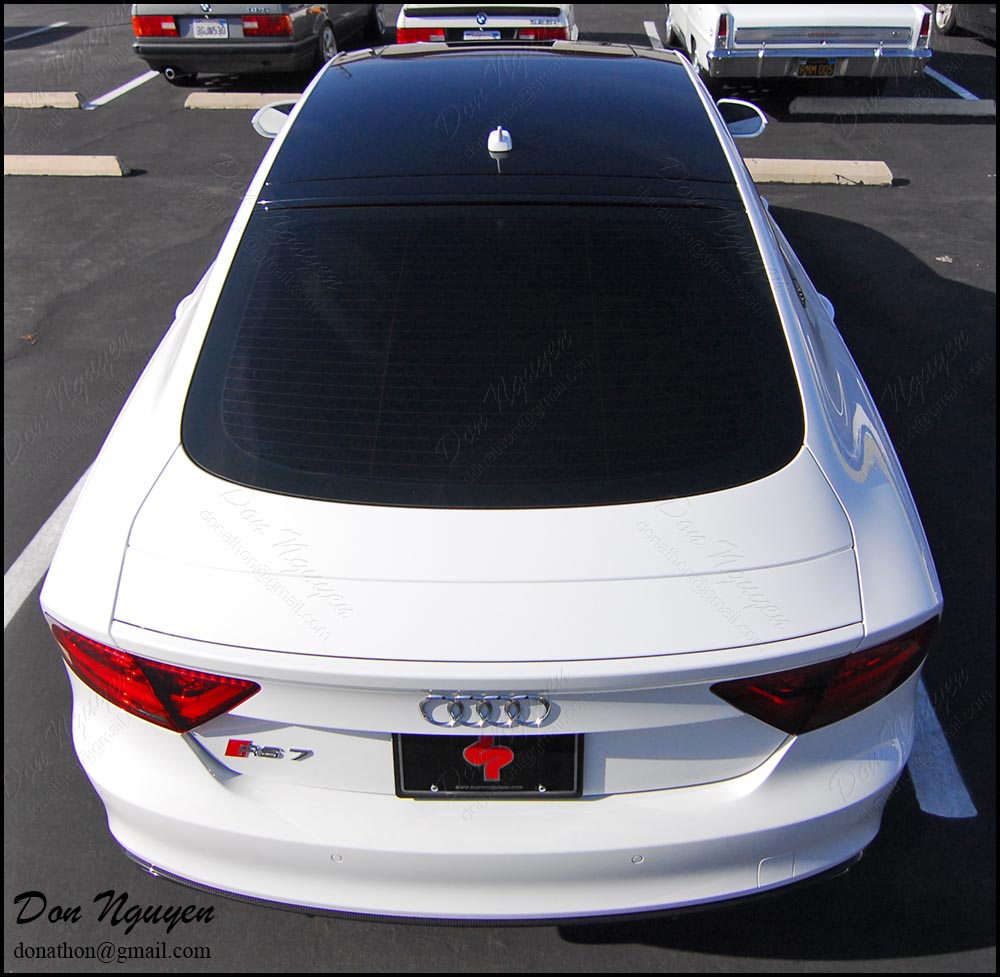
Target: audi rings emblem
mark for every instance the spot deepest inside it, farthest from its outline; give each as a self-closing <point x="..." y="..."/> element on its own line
<point x="476" y="711"/>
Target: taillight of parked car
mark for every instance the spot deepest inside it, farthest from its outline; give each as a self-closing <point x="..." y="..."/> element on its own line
<point x="813" y="696"/>
<point x="176" y="698"/>
<point x="413" y="35"/>
<point x="267" y="25"/>
<point x="925" y="31"/>
<point x="159" y="26"/>
<point x="722" y="33"/>
<point x="542" y="34"/>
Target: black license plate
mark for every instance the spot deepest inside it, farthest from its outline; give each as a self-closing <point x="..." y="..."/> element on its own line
<point x="817" y="67"/>
<point x="443" y="767"/>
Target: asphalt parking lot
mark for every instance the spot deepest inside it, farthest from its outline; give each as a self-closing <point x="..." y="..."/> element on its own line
<point x="93" y="270"/>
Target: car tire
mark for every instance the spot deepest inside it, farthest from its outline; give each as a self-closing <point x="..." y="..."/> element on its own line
<point x="714" y="85"/>
<point x="326" y="45"/>
<point x="375" y="26"/>
<point x="672" y="38"/>
<point x="945" y="18"/>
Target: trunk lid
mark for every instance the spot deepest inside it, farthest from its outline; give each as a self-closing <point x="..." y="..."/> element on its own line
<point x="216" y="562"/>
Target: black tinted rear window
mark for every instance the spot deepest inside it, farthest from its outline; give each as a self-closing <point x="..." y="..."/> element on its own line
<point x="495" y="356"/>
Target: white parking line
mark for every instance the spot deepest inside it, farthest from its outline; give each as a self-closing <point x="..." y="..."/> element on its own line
<point x="948" y="83"/>
<point x="237" y="100"/>
<point x="121" y="90"/>
<point x="36" y="30"/>
<point x="845" y="172"/>
<point x="938" y="784"/>
<point x="25" y="572"/>
<point x="41" y="100"/>
<point x="653" y="34"/>
<point x="39" y="165"/>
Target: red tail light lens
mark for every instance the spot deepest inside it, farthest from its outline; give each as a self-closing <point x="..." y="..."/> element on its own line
<point x="807" y="698"/>
<point x="413" y="35"/>
<point x="267" y="25"/>
<point x="925" y="30"/>
<point x="722" y="34"/>
<point x="175" y="698"/>
<point x="543" y="34"/>
<point x="154" y="26"/>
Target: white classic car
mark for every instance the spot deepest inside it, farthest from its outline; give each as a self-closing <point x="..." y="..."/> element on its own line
<point x="812" y="40"/>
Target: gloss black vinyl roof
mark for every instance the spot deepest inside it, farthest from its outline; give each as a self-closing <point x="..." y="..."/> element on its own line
<point x="585" y="121"/>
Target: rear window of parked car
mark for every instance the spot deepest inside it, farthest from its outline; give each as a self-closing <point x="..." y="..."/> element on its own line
<point x="495" y="356"/>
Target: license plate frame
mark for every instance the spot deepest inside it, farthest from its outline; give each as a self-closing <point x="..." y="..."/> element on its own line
<point x="457" y="767"/>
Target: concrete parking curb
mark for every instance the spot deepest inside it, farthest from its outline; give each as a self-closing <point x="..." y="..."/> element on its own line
<point x="876" y="107"/>
<point x="42" y="100"/>
<point x="847" y="172"/>
<point x="237" y="100"/>
<point x="64" y="166"/>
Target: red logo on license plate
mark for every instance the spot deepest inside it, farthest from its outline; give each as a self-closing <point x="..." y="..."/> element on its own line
<point x="491" y="758"/>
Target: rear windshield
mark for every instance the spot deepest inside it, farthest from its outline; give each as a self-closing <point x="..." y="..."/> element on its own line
<point x="495" y="356"/>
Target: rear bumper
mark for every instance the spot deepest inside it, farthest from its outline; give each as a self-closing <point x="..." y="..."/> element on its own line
<point x="810" y="807"/>
<point x="192" y="57"/>
<point x="849" y="62"/>
<point x="812" y="880"/>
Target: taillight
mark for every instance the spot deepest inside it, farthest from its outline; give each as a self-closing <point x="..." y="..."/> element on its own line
<point x="722" y="34"/>
<point x="267" y="25"/>
<point x="925" y="31"/>
<point x="542" y="34"/>
<point x="175" y="698"/>
<point x="412" y="35"/>
<point x="160" y="26"/>
<point x="807" y="698"/>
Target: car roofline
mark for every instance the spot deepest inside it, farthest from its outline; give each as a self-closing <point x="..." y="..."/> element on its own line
<point x="591" y="48"/>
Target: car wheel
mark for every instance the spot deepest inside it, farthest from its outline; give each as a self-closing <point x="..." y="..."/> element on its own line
<point x="945" y="18"/>
<point x="326" y="45"/>
<point x="673" y="40"/>
<point x="375" y="27"/>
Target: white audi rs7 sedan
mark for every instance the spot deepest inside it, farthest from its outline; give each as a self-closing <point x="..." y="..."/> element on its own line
<point x="502" y="530"/>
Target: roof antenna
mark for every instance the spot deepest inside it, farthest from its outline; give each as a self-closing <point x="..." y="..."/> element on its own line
<point x="499" y="141"/>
